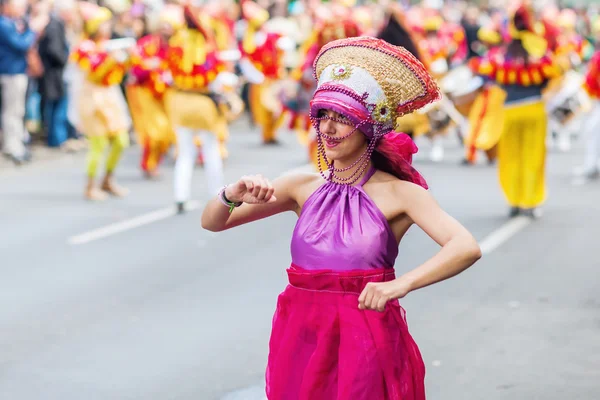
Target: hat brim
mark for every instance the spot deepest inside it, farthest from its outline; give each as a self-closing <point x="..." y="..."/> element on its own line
<point x="344" y="104"/>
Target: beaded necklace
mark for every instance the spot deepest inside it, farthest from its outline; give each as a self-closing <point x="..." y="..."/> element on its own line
<point x="359" y="165"/>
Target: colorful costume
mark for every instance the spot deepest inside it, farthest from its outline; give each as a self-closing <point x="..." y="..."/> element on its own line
<point x="486" y="112"/>
<point x="149" y="80"/>
<point x="101" y="108"/>
<point x="564" y="96"/>
<point x="261" y="53"/>
<point x="486" y="123"/>
<point x="195" y="105"/>
<point x="592" y="124"/>
<point x="522" y="145"/>
<point x="441" y="44"/>
<point x="221" y="25"/>
<point x="322" y="346"/>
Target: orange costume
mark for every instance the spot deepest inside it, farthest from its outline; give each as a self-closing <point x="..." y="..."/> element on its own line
<point x="262" y="62"/>
<point x="592" y="125"/>
<point x="149" y="80"/>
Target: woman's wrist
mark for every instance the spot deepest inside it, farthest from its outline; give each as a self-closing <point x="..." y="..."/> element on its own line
<point x="405" y="285"/>
<point x="229" y="196"/>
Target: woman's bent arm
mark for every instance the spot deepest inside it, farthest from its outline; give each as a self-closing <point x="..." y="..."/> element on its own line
<point x="260" y="198"/>
<point x="459" y="248"/>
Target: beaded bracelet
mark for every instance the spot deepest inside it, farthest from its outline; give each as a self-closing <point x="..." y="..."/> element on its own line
<point x="226" y="201"/>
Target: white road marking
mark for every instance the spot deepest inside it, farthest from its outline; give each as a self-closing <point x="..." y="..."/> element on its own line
<point x="148" y="218"/>
<point x="128" y="224"/>
<point x="502" y="234"/>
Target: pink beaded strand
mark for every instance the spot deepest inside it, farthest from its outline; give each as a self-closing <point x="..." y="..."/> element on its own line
<point x="359" y="165"/>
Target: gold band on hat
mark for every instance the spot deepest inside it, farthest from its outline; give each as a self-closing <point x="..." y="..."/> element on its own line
<point x="404" y="81"/>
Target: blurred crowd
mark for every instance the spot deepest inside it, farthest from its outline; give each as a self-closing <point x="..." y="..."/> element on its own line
<point x="160" y="54"/>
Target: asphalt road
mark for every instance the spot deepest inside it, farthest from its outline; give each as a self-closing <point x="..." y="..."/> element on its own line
<point x="168" y="311"/>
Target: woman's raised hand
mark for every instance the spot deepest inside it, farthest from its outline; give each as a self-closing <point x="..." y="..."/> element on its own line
<point x="253" y="189"/>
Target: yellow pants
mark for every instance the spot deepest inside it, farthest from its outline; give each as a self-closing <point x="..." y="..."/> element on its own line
<point x="522" y="155"/>
<point x="198" y="112"/>
<point x="98" y="144"/>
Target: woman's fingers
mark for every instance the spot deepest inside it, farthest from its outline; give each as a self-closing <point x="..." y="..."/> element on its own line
<point x="249" y="183"/>
<point x="257" y="186"/>
<point x="372" y="298"/>
<point x="270" y="191"/>
<point x="264" y="188"/>
<point x="256" y="190"/>
<point x="381" y="302"/>
<point x="367" y="298"/>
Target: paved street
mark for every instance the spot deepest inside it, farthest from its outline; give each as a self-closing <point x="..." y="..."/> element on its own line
<point x="95" y="308"/>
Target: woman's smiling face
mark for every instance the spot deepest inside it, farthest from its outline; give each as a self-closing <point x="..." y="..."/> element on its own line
<point x="341" y="140"/>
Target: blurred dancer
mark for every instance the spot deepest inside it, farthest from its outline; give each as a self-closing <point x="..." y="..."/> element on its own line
<point x="589" y="170"/>
<point x="522" y="69"/>
<point x="102" y="110"/>
<point x="220" y="20"/>
<point x="262" y="65"/>
<point x="566" y="99"/>
<point x="149" y="79"/>
<point x="195" y="104"/>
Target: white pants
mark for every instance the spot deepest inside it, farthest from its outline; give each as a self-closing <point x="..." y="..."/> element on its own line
<point x="592" y="138"/>
<point x="186" y="159"/>
<point x="14" y="93"/>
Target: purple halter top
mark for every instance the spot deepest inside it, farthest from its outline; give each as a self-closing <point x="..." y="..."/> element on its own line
<point x="341" y="229"/>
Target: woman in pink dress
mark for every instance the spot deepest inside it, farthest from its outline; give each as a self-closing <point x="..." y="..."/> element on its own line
<point x="339" y="332"/>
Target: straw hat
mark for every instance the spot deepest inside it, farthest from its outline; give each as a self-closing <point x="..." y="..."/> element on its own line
<point x="371" y="82"/>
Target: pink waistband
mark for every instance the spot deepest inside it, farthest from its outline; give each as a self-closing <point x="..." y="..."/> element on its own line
<point x="333" y="281"/>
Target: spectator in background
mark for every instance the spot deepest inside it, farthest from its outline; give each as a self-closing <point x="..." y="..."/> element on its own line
<point x="16" y="38"/>
<point x="54" y="52"/>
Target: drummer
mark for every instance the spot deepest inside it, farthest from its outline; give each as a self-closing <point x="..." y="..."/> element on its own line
<point x="590" y="169"/>
<point x="263" y="65"/>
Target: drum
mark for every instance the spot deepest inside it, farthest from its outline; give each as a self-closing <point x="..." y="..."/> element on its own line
<point x="439" y="120"/>
<point x="463" y="98"/>
<point x="455" y="79"/>
<point x="231" y="105"/>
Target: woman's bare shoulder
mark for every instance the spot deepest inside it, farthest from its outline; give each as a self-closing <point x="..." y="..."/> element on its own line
<point x="396" y="191"/>
<point x="299" y="185"/>
<point x="395" y="184"/>
<point x="383" y="177"/>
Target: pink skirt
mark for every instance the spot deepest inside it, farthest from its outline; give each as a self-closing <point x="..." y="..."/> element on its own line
<point x="323" y="347"/>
